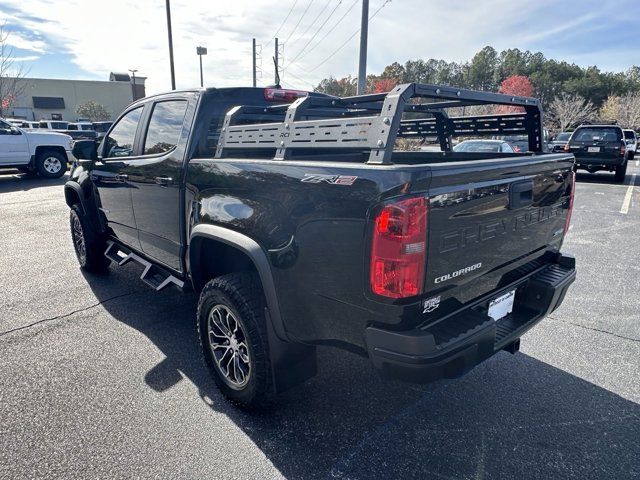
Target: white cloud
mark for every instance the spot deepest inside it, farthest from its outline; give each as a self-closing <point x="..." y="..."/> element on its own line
<point x="16" y="40"/>
<point x="119" y="34"/>
<point x="27" y="58"/>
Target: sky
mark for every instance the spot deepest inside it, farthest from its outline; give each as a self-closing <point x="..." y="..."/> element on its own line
<point x="87" y="39"/>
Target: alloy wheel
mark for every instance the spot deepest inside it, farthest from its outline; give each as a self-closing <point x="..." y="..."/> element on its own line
<point x="78" y="239"/>
<point x="52" y="165"/>
<point x="228" y="344"/>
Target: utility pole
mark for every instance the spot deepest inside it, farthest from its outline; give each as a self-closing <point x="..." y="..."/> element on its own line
<point x="173" y="73"/>
<point x="201" y="51"/>
<point x="364" y="32"/>
<point x="133" y="85"/>
<point x="275" y="59"/>
<point x="254" y="62"/>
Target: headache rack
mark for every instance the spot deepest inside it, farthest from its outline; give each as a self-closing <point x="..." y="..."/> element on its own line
<point x="370" y="124"/>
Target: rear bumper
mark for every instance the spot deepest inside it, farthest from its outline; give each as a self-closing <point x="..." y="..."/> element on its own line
<point x="586" y="162"/>
<point x="461" y="341"/>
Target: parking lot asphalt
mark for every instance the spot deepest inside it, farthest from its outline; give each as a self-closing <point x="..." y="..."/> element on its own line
<point x="102" y="377"/>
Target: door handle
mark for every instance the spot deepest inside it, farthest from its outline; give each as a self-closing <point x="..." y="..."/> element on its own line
<point x="122" y="177"/>
<point x="163" y="180"/>
<point x="520" y="194"/>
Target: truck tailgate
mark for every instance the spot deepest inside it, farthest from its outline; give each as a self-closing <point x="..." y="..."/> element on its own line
<point x="488" y="217"/>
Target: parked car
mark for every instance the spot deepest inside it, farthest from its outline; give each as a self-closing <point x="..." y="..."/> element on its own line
<point x="55" y="125"/>
<point x="559" y="141"/>
<point x="300" y="226"/>
<point x="600" y="147"/>
<point x="22" y="123"/>
<point x="101" y="128"/>
<point x="31" y="152"/>
<point x="631" y="140"/>
<point x="496" y="146"/>
<point x="81" y="130"/>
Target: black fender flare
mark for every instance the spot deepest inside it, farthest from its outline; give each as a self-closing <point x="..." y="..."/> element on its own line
<point x="88" y="202"/>
<point x="252" y="249"/>
<point x="77" y="189"/>
<point x="291" y="363"/>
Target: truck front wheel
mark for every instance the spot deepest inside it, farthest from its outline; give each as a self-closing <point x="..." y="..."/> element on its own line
<point x="51" y="164"/>
<point x="88" y="243"/>
<point x="233" y="336"/>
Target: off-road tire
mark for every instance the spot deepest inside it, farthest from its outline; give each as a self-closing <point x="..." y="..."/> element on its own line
<point x="621" y="173"/>
<point x="92" y="259"/>
<point x="242" y="295"/>
<point x="46" y="160"/>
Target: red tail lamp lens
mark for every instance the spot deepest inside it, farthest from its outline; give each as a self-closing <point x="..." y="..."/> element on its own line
<point x="399" y="249"/>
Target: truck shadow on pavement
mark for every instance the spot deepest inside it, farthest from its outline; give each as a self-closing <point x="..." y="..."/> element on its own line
<point x="512" y="417"/>
<point x="19" y="182"/>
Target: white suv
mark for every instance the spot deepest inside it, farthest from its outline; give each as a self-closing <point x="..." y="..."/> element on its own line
<point x="31" y="152"/>
<point x="631" y="140"/>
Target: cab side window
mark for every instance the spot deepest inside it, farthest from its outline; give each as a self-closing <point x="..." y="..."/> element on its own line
<point x="5" y="128"/>
<point x="119" y="142"/>
<point x="165" y="126"/>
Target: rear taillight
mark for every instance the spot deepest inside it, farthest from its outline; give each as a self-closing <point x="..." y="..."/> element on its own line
<point x="572" y="195"/>
<point x="399" y="249"/>
<point x="623" y="149"/>
<point x="566" y="147"/>
<point x="283" y="95"/>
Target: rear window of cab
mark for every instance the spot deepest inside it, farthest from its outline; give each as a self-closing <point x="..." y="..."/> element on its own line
<point x="597" y="134"/>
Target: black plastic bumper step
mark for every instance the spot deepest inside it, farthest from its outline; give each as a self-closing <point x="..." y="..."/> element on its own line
<point x="153" y="275"/>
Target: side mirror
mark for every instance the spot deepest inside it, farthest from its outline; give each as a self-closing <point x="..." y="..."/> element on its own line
<point x="85" y="150"/>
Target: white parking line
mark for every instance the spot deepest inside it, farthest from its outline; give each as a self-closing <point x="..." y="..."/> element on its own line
<point x="638" y="163"/>
<point x="627" y="197"/>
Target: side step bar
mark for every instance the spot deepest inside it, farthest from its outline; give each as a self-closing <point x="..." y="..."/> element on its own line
<point x="153" y="275"/>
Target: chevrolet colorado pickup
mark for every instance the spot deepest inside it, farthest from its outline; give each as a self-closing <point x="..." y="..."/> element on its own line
<point x="34" y="152"/>
<point x="302" y="226"/>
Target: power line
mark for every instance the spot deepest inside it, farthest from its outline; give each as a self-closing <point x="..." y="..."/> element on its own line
<point x="317" y="31"/>
<point x="312" y="23"/>
<point x="301" y="79"/>
<point x="284" y="21"/>
<point x="331" y="29"/>
<point x="298" y="24"/>
<point x="348" y="39"/>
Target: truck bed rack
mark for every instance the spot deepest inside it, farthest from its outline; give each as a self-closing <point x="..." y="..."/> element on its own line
<point x="372" y="123"/>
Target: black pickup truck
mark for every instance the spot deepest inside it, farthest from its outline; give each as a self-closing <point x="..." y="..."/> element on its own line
<point x="302" y="226"/>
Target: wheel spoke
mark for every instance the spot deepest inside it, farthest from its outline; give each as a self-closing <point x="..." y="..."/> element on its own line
<point x="228" y="344"/>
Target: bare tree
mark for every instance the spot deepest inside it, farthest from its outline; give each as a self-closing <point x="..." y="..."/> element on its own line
<point x="568" y="110"/>
<point x="93" y="111"/>
<point x="624" y="110"/>
<point x="12" y="84"/>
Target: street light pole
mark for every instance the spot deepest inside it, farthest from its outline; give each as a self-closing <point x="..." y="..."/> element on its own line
<point x="173" y="73"/>
<point x="201" y="51"/>
<point x="364" y="32"/>
<point x="133" y="85"/>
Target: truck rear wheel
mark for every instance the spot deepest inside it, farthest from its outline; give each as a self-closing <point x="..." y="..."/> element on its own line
<point x="51" y="164"/>
<point x="621" y="173"/>
<point x="88" y="243"/>
<point x="233" y="337"/>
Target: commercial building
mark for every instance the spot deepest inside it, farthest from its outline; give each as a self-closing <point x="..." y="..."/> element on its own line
<point x="53" y="99"/>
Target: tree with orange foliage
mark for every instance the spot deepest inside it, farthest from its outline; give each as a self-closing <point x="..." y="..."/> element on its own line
<point x="517" y="85"/>
<point x="384" y="85"/>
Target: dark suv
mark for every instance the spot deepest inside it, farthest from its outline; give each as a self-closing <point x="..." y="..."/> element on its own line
<point x="600" y="147"/>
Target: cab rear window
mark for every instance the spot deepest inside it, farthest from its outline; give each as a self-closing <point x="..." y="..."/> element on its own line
<point x="599" y="134"/>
